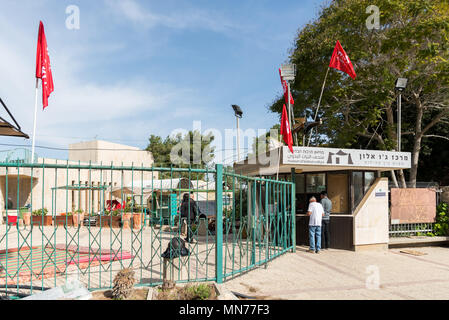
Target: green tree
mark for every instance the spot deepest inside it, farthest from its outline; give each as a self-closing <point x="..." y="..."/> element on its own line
<point x="412" y="42"/>
<point x="193" y="149"/>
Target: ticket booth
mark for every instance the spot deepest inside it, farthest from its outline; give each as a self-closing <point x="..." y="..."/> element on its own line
<point x="355" y="184"/>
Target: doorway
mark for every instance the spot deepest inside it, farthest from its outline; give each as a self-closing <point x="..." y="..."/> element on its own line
<point x="337" y="184"/>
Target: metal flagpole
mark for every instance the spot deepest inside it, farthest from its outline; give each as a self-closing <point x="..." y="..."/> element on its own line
<point x="319" y="102"/>
<point x="279" y="160"/>
<point x="34" y="125"/>
<point x="290" y="112"/>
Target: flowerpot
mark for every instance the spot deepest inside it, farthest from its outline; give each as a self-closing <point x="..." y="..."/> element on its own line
<point x="126" y="220"/>
<point x="104" y="221"/>
<point x="115" y="222"/>
<point x="37" y="220"/>
<point x="137" y="220"/>
<point x="78" y="219"/>
<point x="12" y="220"/>
<point x="48" y="220"/>
<point x="26" y="218"/>
<point x="61" y="221"/>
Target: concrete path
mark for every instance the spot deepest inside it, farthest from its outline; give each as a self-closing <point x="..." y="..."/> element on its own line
<point x="338" y="274"/>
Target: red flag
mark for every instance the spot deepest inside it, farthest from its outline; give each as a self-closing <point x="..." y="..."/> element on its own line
<point x="285" y="130"/>
<point x="43" y="70"/>
<point x="340" y="61"/>
<point x="285" y="88"/>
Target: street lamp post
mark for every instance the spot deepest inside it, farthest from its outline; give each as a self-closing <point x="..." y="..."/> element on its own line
<point x="238" y="114"/>
<point x="400" y="85"/>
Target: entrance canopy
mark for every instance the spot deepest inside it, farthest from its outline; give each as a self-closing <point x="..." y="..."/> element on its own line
<point x="312" y="159"/>
<point x="7" y="129"/>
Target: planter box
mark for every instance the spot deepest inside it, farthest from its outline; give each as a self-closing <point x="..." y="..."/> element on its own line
<point x="106" y="221"/>
<point x="37" y="220"/>
<point x="221" y="292"/>
<point x="60" y="220"/>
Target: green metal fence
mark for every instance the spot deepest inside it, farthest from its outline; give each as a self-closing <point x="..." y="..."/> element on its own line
<point x="64" y="220"/>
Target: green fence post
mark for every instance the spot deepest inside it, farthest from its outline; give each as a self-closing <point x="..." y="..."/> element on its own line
<point x="253" y="223"/>
<point x="293" y="210"/>
<point x="219" y="223"/>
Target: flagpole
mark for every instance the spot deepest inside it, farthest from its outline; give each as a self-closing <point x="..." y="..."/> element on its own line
<point x="290" y="110"/>
<point x="319" y="102"/>
<point x="34" y="125"/>
<point x="279" y="160"/>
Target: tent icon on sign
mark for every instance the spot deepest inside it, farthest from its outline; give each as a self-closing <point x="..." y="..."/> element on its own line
<point x="339" y="158"/>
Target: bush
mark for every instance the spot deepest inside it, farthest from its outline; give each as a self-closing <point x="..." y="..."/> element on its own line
<point x="123" y="284"/>
<point x="441" y="227"/>
<point x="197" y="292"/>
<point x="40" y="212"/>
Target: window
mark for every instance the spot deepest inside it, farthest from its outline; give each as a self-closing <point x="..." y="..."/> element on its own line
<point x="315" y="183"/>
<point x="299" y="181"/>
<point x="369" y="179"/>
<point x="357" y="183"/>
<point x="361" y="182"/>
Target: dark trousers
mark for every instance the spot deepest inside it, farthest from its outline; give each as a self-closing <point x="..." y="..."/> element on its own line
<point x="325" y="234"/>
<point x="189" y="236"/>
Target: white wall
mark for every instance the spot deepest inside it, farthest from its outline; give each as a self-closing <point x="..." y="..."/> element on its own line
<point x="371" y="216"/>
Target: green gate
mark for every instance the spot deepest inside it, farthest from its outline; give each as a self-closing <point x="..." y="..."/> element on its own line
<point x="87" y="221"/>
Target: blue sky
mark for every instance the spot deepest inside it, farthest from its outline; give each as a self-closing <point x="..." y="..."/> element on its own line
<point x="136" y="68"/>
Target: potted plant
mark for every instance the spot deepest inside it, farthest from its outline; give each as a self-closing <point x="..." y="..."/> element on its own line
<point x="137" y="218"/>
<point x="115" y="219"/>
<point x="78" y="217"/>
<point x="25" y="212"/>
<point x="127" y="214"/>
<point x="37" y="220"/>
<point x="104" y="218"/>
<point x="64" y="219"/>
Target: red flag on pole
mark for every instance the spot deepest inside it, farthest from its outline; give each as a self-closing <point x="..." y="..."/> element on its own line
<point x="285" y="129"/>
<point x="43" y="70"/>
<point x="285" y="88"/>
<point x="340" y="61"/>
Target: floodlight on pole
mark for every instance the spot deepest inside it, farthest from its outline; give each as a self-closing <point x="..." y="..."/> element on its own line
<point x="400" y="85"/>
<point x="238" y="114"/>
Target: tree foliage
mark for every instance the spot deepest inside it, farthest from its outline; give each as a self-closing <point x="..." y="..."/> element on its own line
<point x="412" y="42"/>
<point x="199" y="156"/>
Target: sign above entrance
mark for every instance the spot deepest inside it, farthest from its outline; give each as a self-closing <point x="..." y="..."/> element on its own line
<point x="346" y="157"/>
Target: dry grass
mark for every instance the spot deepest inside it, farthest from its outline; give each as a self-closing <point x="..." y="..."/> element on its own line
<point x="137" y="294"/>
<point x="188" y="292"/>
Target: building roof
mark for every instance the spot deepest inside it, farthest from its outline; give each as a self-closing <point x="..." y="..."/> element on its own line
<point x="8" y="129"/>
<point x="318" y="159"/>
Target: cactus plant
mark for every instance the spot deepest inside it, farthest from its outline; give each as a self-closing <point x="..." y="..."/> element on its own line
<point x="123" y="284"/>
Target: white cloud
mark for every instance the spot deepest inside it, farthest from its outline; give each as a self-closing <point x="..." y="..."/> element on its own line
<point x="128" y="108"/>
<point x="192" y="19"/>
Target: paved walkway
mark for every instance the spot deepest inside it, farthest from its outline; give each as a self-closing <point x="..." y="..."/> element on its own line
<point x="339" y="274"/>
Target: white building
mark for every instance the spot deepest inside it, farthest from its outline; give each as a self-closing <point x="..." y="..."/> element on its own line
<point x="66" y="189"/>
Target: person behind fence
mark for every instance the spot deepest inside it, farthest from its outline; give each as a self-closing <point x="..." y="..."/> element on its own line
<point x="315" y="213"/>
<point x="189" y="212"/>
<point x="325" y="223"/>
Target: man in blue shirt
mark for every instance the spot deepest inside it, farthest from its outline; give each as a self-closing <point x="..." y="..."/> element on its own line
<point x="327" y="206"/>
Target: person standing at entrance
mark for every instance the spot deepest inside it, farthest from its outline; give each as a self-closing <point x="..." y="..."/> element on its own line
<point x="315" y="213"/>
<point x="325" y="224"/>
<point x="189" y="212"/>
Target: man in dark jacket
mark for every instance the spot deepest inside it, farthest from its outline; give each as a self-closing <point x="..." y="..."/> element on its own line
<point x="189" y="212"/>
<point x="327" y="206"/>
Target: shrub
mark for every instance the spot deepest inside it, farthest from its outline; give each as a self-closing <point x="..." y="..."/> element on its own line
<point x="441" y="227"/>
<point x="40" y="212"/>
<point x="123" y="284"/>
<point x="197" y="292"/>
